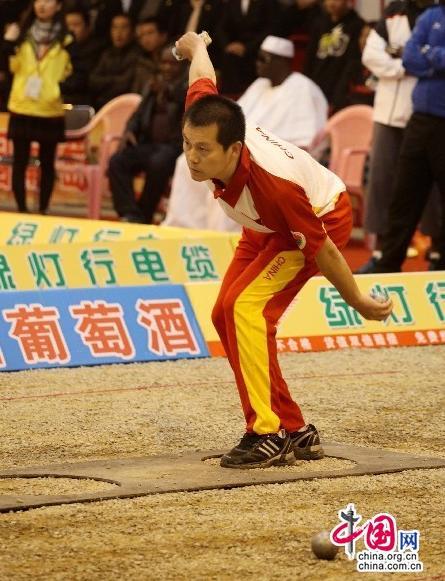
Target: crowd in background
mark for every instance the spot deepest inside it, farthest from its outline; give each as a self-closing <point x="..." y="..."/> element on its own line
<point x="103" y="49"/>
<point x="115" y="46"/>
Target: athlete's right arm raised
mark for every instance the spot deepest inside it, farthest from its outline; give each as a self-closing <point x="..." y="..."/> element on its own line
<point x="192" y="47"/>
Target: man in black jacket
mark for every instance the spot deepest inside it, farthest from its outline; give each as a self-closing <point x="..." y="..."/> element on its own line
<point x="333" y="47"/>
<point x="151" y="143"/>
<point x="108" y="9"/>
<point x="151" y="37"/>
<point x="84" y="50"/>
<point x="181" y="16"/>
<point x="244" y="25"/>
<point x="114" y="73"/>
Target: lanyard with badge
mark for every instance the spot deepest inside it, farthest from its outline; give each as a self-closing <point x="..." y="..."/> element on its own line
<point x="33" y="86"/>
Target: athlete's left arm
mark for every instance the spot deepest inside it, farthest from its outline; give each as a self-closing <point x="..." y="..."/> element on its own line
<point x="334" y="267"/>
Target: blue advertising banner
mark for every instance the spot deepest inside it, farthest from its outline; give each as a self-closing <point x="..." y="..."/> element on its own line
<point x="65" y="328"/>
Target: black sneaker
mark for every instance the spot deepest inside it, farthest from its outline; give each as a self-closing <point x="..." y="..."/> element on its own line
<point x="306" y="445"/>
<point x="435" y="261"/>
<point x="369" y="267"/>
<point x="255" y="451"/>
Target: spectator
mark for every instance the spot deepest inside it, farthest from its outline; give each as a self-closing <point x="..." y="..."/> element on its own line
<point x="150" y="8"/>
<point x="357" y="83"/>
<point x="192" y="15"/>
<point x="107" y="10"/>
<point x="382" y="55"/>
<point x="114" y="73"/>
<point x="422" y="155"/>
<point x="299" y="17"/>
<point x="333" y="46"/>
<point x="270" y="102"/>
<point x="10" y="11"/>
<point x="151" y="36"/>
<point x="39" y="64"/>
<point x="244" y="26"/>
<point x="151" y="143"/>
<point x="84" y="50"/>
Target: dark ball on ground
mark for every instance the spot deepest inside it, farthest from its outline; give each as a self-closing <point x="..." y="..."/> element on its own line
<point x="322" y="546"/>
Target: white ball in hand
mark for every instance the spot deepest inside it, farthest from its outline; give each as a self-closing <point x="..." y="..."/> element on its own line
<point x="379" y="297"/>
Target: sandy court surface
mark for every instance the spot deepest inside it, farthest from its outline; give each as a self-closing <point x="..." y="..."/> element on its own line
<point x="391" y="399"/>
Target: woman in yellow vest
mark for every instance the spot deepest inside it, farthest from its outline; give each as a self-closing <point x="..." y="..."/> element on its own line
<point x="39" y="63"/>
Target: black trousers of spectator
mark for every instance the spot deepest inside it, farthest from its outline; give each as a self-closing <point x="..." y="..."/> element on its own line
<point x="386" y="145"/>
<point x="157" y="161"/>
<point x="421" y="162"/>
<point x="47" y="156"/>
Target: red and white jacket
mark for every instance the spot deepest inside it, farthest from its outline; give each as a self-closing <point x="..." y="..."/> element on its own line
<point x="277" y="186"/>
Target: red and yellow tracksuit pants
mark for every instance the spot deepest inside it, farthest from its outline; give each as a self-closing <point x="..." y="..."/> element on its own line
<point x="263" y="278"/>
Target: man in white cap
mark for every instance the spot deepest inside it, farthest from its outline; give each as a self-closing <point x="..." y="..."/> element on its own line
<point x="284" y="102"/>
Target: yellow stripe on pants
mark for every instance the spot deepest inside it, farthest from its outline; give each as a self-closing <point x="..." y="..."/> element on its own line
<point x="251" y="335"/>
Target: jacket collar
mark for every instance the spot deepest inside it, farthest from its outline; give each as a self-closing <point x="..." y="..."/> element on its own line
<point x="232" y="191"/>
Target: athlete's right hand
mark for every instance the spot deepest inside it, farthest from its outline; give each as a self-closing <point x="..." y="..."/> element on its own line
<point x="187" y="45"/>
<point x="374" y="309"/>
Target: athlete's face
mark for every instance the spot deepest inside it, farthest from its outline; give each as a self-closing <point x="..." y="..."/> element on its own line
<point x="206" y="157"/>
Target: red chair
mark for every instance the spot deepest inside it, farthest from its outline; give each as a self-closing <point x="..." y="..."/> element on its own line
<point x="110" y="120"/>
<point x="350" y="135"/>
<point x="301" y="42"/>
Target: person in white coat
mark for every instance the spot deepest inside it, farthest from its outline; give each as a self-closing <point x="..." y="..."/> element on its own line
<point x="382" y="55"/>
<point x="284" y="102"/>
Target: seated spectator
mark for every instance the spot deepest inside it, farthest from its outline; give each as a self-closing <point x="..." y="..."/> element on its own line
<point x="151" y="143"/>
<point x="283" y="102"/>
<point x="107" y="10"/>
<point x="114" y="73"/>
<point x="333" y="47"/>
<point x="243" y="27"/>
<point x="84" y="50"/>
<point x="151" y="37"/>
<point x="183" y="16"/>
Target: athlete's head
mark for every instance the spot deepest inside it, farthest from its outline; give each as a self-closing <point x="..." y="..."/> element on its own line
<point x="214" y="130"/>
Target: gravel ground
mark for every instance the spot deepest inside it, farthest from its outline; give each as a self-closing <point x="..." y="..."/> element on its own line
<point x="392" y="399"/>
<point x="51" y="486"/>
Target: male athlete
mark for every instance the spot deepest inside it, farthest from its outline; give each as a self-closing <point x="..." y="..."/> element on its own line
<point x="296" y="214"/>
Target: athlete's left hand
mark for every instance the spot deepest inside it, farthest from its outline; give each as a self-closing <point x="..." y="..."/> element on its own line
<point x="374" y="309"/>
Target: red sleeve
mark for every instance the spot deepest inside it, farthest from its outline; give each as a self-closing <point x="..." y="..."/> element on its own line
<point x="199" y="89"/>
<point x="305" y="227"/>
